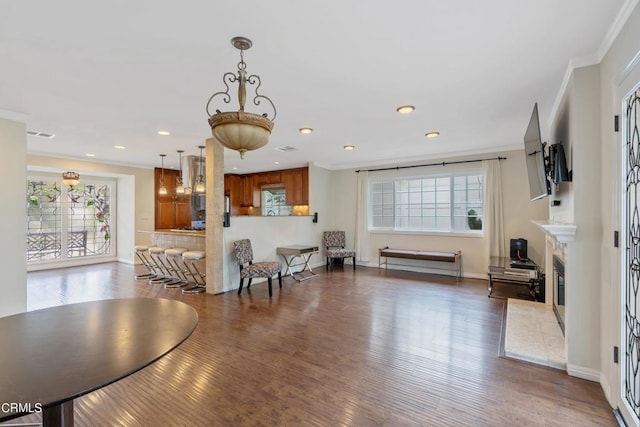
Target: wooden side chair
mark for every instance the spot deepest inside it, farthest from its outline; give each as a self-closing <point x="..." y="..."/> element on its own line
<point x="250" y="270"/>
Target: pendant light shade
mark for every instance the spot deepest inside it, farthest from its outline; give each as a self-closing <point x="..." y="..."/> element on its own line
<point x="71" y="178"/>
<point x="200" y="187"/>
<point x="162" y="190"/>
<point x="179" y="183"/>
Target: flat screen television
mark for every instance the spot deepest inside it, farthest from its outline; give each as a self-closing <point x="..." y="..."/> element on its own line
<point x="539" y="185"/>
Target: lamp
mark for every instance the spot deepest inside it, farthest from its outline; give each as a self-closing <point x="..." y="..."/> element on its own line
<point x="163" y="187"/>
<point x="199" y="187"/>
<point x="240" y="130"/>
<point x="71" y="178"/>
<point x="179" y="186"/>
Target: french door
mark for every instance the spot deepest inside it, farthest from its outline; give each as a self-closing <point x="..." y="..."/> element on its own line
<point x="629" y="363"/>
<point x="66" y="223"/>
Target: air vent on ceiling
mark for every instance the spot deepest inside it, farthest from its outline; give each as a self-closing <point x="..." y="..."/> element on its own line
<point x="40" y="134"/>
<point x="285" y="148"/>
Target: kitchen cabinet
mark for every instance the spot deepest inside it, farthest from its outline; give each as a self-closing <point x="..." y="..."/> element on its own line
<point x="261" y="179"/>
<point x="296" y="184"/>
<point x="245" y="191"/>
<point x="171" y="210"/>
<point x="233" y="188"/>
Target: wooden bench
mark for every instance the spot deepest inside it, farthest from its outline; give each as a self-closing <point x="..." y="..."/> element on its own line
<point x="454" y="258"/>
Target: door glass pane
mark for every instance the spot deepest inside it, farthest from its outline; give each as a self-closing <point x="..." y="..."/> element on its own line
<point x="89" y="220"/>
<point x="631" y="304"/>
<point x="43" y="220"/>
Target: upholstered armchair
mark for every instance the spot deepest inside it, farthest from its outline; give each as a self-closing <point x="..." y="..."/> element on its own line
<point x="334" y="243"/>
<point x="250" y="270"/>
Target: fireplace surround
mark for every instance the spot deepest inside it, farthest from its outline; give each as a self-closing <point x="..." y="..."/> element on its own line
<point x="559" y="290"/>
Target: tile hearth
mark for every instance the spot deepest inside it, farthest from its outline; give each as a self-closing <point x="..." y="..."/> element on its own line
<point x="532" y="334"/>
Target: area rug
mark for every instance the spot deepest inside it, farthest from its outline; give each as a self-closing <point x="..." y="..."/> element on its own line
<point x="532" y="334"/>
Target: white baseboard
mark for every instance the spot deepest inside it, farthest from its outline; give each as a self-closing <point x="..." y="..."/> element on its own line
<point x="584" y="373"/>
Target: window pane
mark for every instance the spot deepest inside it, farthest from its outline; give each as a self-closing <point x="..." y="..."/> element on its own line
<point x="434" y="203"/>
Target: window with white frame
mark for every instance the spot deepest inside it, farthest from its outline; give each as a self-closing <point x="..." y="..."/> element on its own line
<point x="449" y="202"/>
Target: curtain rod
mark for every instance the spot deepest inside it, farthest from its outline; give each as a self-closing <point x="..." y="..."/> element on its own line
<point x="430" y="164"/>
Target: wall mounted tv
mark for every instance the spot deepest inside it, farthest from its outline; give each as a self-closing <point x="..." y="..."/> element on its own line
<point x="539" y="185"/>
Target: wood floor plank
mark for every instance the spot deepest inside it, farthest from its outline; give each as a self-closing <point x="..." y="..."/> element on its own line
<point x="348" y="348"/>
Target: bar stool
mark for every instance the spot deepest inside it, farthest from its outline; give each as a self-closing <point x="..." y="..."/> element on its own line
<point x="159" y="266"/>
<point x="177" y="268"/>
<point x="141" y="253"/>
<point x="198" y="282"/>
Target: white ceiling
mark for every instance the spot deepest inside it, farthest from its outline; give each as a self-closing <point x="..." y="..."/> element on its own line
<point x="99" y="74"/>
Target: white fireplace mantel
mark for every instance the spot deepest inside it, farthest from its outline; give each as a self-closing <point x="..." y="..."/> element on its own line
<point x="562" y="232"/>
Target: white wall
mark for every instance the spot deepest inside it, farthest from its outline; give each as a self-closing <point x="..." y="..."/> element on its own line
<point x="13" y="211"/>
<point x="518" y="213"/>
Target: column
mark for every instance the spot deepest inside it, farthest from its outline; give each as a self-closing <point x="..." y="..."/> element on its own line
<point x="215" y="209"/>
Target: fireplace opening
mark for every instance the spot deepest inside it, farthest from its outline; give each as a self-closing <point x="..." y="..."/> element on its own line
<point x="558" y="290"/>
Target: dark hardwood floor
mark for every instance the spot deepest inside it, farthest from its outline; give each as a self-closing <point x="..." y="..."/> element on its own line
<point x="356" y="348"/>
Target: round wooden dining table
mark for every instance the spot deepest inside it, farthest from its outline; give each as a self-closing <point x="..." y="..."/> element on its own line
<point x="49" y="357"/>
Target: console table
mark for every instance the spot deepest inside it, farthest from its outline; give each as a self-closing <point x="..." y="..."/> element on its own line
<point x="51" y="356"/>
<point x="501" y="270"/>
<point x="289" y="253"/>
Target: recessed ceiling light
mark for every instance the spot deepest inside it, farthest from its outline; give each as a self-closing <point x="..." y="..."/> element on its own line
<point x="432" y="134"/>
<point x="235" y="168"/>
<point x="164" y="132"/>
<point x="405" y="109"/>
<point x="349" y="147"/>
<point x="119" y="147"/>
<point x="306" y="131"/>
<point x="276" y="163"/>
<point x="90" y="155"/>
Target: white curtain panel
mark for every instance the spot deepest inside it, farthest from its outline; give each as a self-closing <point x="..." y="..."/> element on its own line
<point x="362" y="217"/>
<point x="493" y="218"/>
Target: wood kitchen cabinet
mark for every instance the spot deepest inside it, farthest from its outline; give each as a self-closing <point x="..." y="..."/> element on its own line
<point x="233" y="188"/>
<point x="296" y="184"/>
<point x="246" y="190"/>
<point x="272" y="178"/>
<point x="171" y="210"/>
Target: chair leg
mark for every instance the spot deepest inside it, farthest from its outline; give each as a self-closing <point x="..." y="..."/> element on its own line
<point x="240" y="288"/>
<point x="327" y="265"/>
<point x="249" y="283"/>
<point x="270" y="288"/>
<point x="280" y="279"/>
<point x="354" y="263"/>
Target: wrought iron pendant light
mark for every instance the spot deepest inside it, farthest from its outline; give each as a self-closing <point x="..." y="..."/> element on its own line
<point x="240" y="130"/>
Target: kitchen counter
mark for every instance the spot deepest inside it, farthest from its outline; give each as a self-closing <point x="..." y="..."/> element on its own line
<point x="192" y="240"/>
<point x="176" y="232"/>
